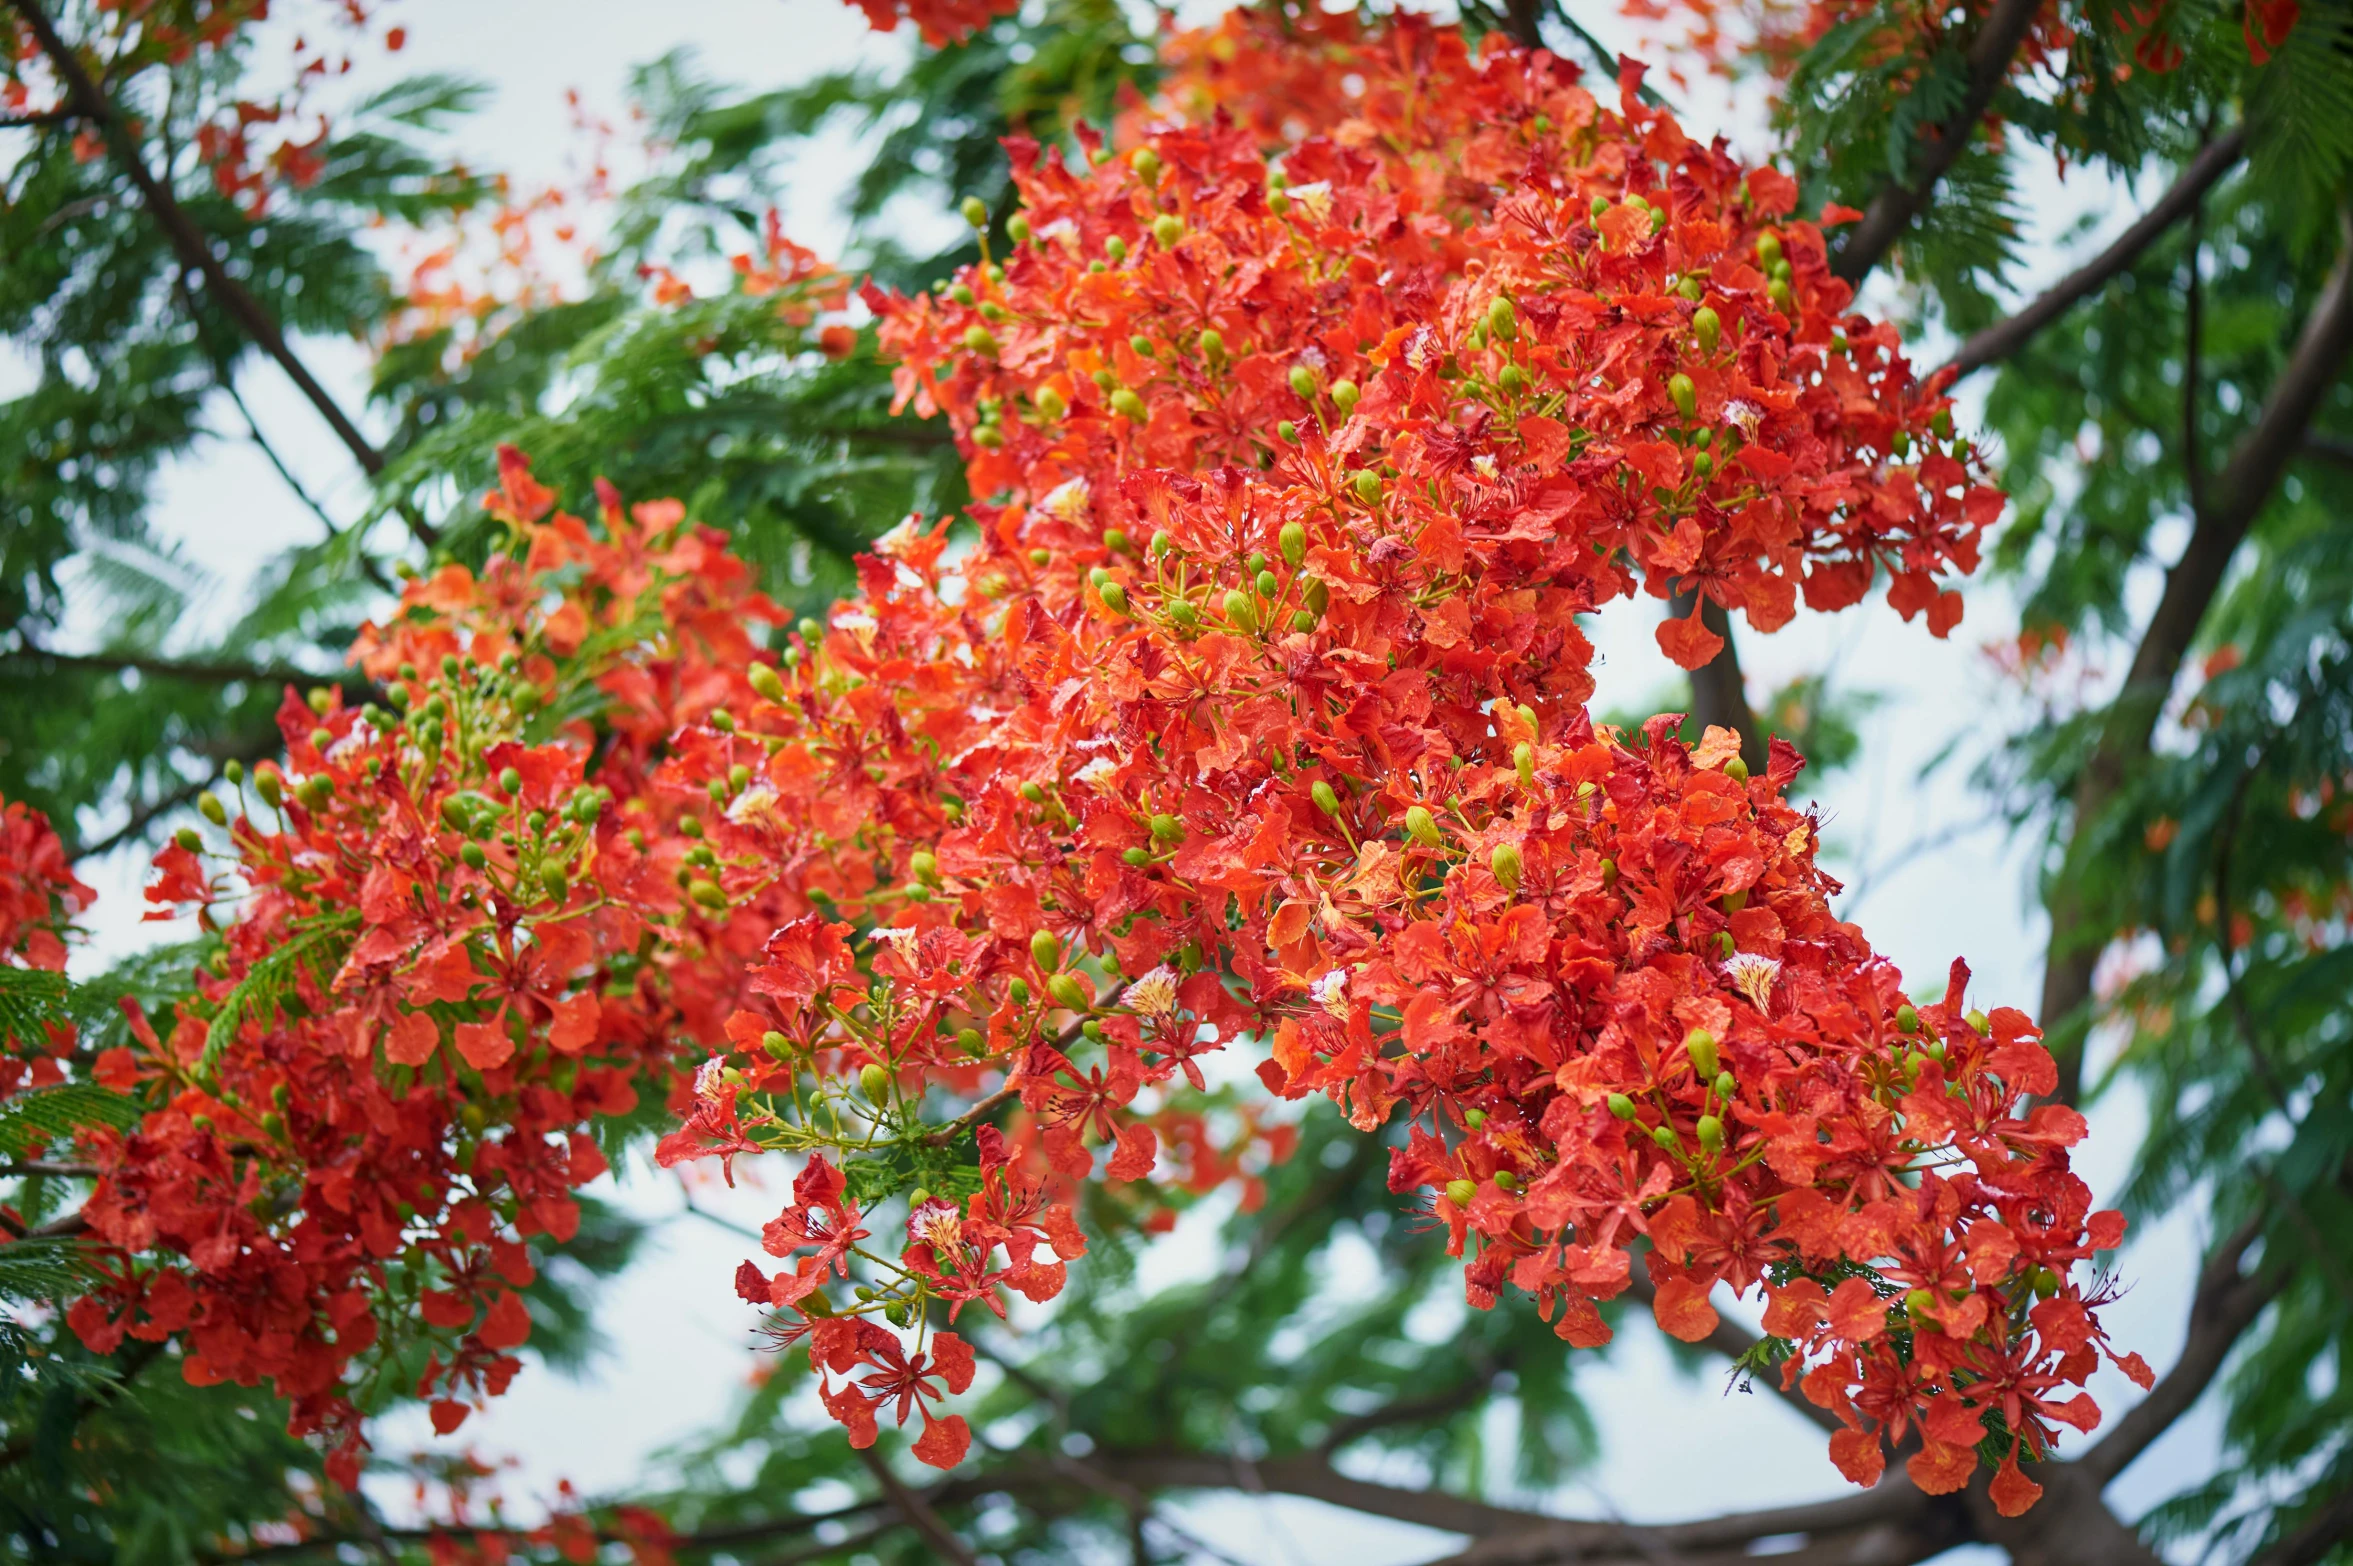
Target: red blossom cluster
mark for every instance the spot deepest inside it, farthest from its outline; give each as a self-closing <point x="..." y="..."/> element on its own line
<point x="453" y="943"/>
<point x="39" y="898"/>
<point x="939" y="21"/>
<point x="1257" y="709"/>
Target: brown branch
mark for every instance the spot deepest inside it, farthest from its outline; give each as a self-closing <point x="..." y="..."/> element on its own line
<point x="89" y="100"/>
<point x="1719" y="695"/>
<point x="1897" y="204"/>
<point x="2004" y="338"/>
<point x="917" y="1511"/>
<point x="203" y="671"/>
<point x="2234" y="497"/>
<point x="41" y="120"/>
<point x="1894" y="1511"/>
<point x="1421" y="1409"/>
<point x="28" y="1170"/>
<point x="1520" y="23"/>
<point x="2225" y="1305"/>
<point x="2328" y="448"/>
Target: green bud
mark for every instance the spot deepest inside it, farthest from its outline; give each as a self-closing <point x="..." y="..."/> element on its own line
<point x="1707" y="328"/>
<point x="1421" y="826"/>
<point x="2046" y="1282"/>
<point x="1474" y="1118"/>
<point x="1367" y="484"/>
<point x="1293" y="542"/>
<point x="1726" y="1088"/>
<point x="1901" y="444"/>
<point x="1114" y="597"/>
<point x="1266" y="584"/>
<point x="1068" y="993"/>
<point x="1725" y="946"/>
<point x="1599" y="205"/>
<point x="1503" y="321"/>
<point x="1018" y="992"/>
<point x="978" y="339"/>
<point x="1666" y="1138"/>
<point x="1523" y="760"/>
<point x="1906" y="1019"/>
<point x="1116" y="540"/>
<point x="1302" y="621"/>
<point x="1505" y="1180"/>
<point x="1302" y="380"/>
<point x="1505" y="862"/>
<point x="1051" y="404"/>
<point x="1778" y="294"/>
<point x="1711" y="1134"/>
<point x="1128" y="405"/>
<point x="1045" y="951"/>
<point x="1344" y="397"/>
<point x="1461" y="1192"/>
<point x="1168" y="228"/>
<point x="777" y="1045"/>
<point x="1768" y="250"/>
<point x="739" y="778"/>
<point x="1692" y="289"/>
<point x="208" y="805"/>
<point x="1609" y="872"/>
<point x="1142" y="347"/>
<point x="923" y="864"/>
<point x="1213" y="346"/>
<point x="551" y="881"/>
<point x="1017" y="229"/>
<point x="1183" y="614"/>
<point x="1167" y="829"/>
<point x="1622" y="1106"/>
<point x="1287" y="431"/>
<point x="1239" y="611"/>
<point x="1684" y="395"/>
<point x="975" y="213"/>
<point x="1703" y="465"/>
<point x="233" y="770"/>
<point x="1980" y="1023"/>
<point x="1136" y="858"/>
<point x="1942" y="423"/>
<point x="1316" y="595"/>
<point x="1919" y="1302"/>
<point x="188" y="839"/>
<point x="874" y="1082"/>
<point x="473" y="856"/>
<point x="1146" y="163"/>
<point x="1325" y="800"/>
<point x="1700" y="1045"/>
<point x="1512" y="380"/>
<point x="971" y="1042"/>
<point x="707" y="894"/>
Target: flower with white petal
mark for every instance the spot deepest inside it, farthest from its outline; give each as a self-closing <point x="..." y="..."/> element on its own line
<point x="1330" y="991"/>
<point x="1067" y="500"/>
<point x="1154" y="993"/>
<point x="1753" y="975"/>
<point x="901" y="938"/>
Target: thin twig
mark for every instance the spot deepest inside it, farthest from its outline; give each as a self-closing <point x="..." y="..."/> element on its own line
<point x="917" y="1510"/>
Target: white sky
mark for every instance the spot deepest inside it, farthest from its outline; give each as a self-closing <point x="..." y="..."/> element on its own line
<point x="680" y="1340"/>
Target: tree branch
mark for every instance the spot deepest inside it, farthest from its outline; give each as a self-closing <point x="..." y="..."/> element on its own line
<point x="917" y="1511"/>
<point x="89" y="100"/>
<point x="1860" y="1527"/>
<point x="203" y="671"/>
<point x="2225" y="1305"/>
<point x="2234" y="497"/>
<point x="39" y="121"/>
<point x="1897" y="204"/>
<point x="1719" y="695"/>
<point x="2004" y="338"/>
<point x="2313" y="1541"/>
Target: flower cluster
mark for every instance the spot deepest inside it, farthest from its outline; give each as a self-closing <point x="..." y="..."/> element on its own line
<point x="939" y="21"/>
<point x="39" y="897"/>
<point x="453" y="943"/>
<point x="1257" y="710"/>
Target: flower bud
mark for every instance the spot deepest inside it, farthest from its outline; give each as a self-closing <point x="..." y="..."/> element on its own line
<point x="1726" y="1088"/>
<point x="1316" y="596"/>
<point x="739" y="778"/>
<point x="1168" y="228"/>
<point x="209" y="805"/>
<point x="1700" y="1045"/>
<point x="1683" y="394"/>
<point x="472" y="855"/>
<point x="1367" y="484"/>
<point x="2046" y="1282"/>
<point x="1034" y="792"/>
<point x="187" y="838"/>
<point x="777" y="1045"/>
<point x="1778" y="295"/>
<point x="1018" y="992"/>
<point x="1523" y="760"/>
<point x="1167" y="829"/>
<point x="1505" y="1180"/>
<point x="1474" y="1118"/>
<point x="1461" y="1192"/>
<point x="1114" y="597"/>
<point x="1017" y="229"/>
<point x="1421" y="826"/>
<point x="1919" y="1302"/>
<point x="1736" y="769"/>
<point x="1735" y="901"/>
<point x="1906" y="1019"/>
<point x="1146" y="163"/>
<point x="1609" y="872"/>
<point x="1503" y="321"/>
<point x="1711" y="1134"/>
<point x="1183" y="615"/>
<point x="1116" y="248"/>
<point x="707" y="894"/>
<point x="874" y="1082"/>
<point x="923" y="864"/>
<point x="1128" y="405"/>
<point x="551" y="881"/>
<point x="1293" y="543"/>
<point x="1302" y="380"/>
<point x="1287" y="432"/>
<point x="1505" y="861"/>
<point x="975" y="213"/>
<point x="1045" y="951"/>
<point x="1325" y="800"/>
<point x="1266" y="584"/>
<point x="1135" y="858"/>
<point x="1768" y="250"/>
<point x="1239" y="611"/>
<point x="971" y="1042"/>
<point x="1068" y="993"/>
<point x="1622" y="1106"/>
<point x="1667" y="1140"/>
<point x="1212" y="345"/>
<point x="1980" y="1023"/>
<point x="1344" y="397"/>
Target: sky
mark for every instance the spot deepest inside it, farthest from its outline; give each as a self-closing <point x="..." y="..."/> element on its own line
<point x="1924" y="885"/>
